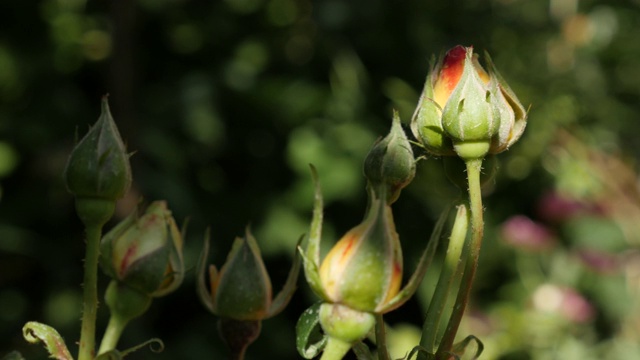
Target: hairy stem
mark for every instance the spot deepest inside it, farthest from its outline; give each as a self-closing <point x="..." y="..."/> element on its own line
<point x="477" y="230"/>
<point x="90" y="296"/>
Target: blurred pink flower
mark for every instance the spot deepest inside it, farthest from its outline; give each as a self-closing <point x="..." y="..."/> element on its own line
<point x="563" y="301"/>
<point x="555" y="207"/>
<point x="523" y="233"/>
<point x="599" y="261"/>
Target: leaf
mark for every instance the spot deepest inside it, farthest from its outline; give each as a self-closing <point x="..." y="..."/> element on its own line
<point x="309" y="339"/>
<point x="35" y="332"/>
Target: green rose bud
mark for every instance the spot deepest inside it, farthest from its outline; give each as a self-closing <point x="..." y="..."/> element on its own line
<point x="390" y="164"/>
<point x="98" y="171"/>
<point x="241" y="290"/>
<point x="145" y="252"/>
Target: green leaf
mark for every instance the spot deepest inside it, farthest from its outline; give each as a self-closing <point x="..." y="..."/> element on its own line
<point x="35" y="332"/>
<point x="309" y="339"/>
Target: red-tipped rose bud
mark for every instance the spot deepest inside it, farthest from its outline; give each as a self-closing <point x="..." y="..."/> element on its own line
<point x="145" y="252"/>
<point x="465" y="110"/>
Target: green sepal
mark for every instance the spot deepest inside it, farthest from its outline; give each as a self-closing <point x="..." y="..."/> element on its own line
<point x="310" y="341"/>
<point x="202" y="289"/>
<point x="311" y="259"/>
<point x="426" y="122"/>
<point x="284" y="296"/>
<point x="35" y="332"/>
<point x="416" y="278"/>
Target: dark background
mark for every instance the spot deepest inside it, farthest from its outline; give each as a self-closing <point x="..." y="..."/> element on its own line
<point x="225" y="103"/>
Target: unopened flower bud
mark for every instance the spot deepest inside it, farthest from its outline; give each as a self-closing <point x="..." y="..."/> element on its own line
<point x="465" y="110"/>
<point x="364" y="268"/>
<point x="145" y="252"/>
<point x="98" y="167"/>
<point x="390" y="165"/>
<point x="241" y="290"/>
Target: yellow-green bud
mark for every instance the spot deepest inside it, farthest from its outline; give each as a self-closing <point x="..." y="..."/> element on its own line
<point x="364" y="269"/>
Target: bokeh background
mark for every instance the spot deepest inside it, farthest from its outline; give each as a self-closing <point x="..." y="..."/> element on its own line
<point x="226" y="102"/>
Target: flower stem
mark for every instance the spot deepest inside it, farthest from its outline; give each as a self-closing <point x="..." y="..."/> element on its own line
<point x="90" y="297"/>
<point x="112" y="334"/>
<point x="94" y="213"/>
<point x="448" y="273"/>
<point x="336" y="349"/>
<point x="381" y="339"/>
<point x="477" y="230"/>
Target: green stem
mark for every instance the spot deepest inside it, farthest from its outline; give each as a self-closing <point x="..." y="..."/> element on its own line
<point x="474" y="168"/>
<point x="381" y="339"/>
<point x="90" y="297"/>
<point x="94" y="213"/>
<point x="112" y="334"/>
<point x="452" y="262"/>
<point x="336" y="349"/>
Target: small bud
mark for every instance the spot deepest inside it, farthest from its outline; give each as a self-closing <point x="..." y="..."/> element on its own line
<point x="466" y="111"/>
<point x="364" y="268"/>
<point x="145" y="252"/>
<point x="241" y="290"/>
<point x="390" y="164"/>
<point x="99" y="166"/>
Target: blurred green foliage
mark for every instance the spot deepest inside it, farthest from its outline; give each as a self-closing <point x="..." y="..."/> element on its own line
<point x="225" y="103"/>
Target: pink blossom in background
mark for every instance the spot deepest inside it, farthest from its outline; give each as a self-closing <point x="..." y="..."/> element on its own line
<point x="555" y="207"/>
<point x="525" y="234"/>
<point x="563" y="301"/>
<point x="599" y="261"/>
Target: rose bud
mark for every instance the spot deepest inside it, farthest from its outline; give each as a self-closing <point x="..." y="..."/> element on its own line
<point x="465" y="110"/>
<point x="98" y="171"/>
<point x="390" y="165"/>
<point x="241" y="290"/>
<point x="145" y="252"/>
